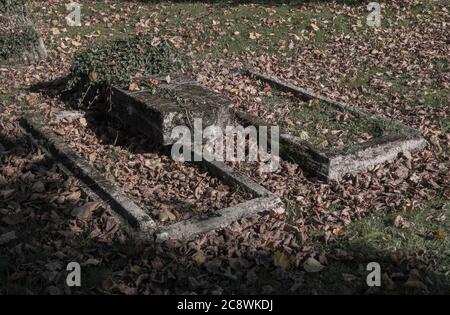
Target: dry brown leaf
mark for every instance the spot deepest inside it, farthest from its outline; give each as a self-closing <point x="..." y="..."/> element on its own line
<point x="85" y="211"/>
<point x="415" y="284"/>
<point x="8" y="171"/>
<point x="312" y="265"/>
<point x="314" y="27"/>
<point x="7" y="193"/>
<point x="199" y="257"/>
<point x="282" y="259"/>
<point x="93" y="76"/>
<point x="83" y="121"/>
<point x="134" y="86"/>
<point x="278" y="211"/>
<point x="254" y="35"/>
<point x="440" y="234"/>
<point x="153" y="82"/>
<point x="166" y="215"/>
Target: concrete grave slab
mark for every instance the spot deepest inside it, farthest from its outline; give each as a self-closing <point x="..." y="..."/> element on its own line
<point x="144" y="227"/>
<point x="333" y="165"/>
<point x="160" y="104"/>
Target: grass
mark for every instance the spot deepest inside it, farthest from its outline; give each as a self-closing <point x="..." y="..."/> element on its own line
<point x="221" y="31"/>
<point x="424" y="246"/>
<point x="9" y="96"/>
<point x="326" y="126"/>
<point x="428" y="237"/>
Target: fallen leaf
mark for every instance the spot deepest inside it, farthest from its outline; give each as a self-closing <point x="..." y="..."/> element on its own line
<point x="7" y="237"/>
<point x="7" y="193"/>
<point x="154" y="82"/>
<point x="76" y="43"/>
<point x="134" y="86"/>
<point x="93" y="75"/>
<point x="407" y="155"/>
<point x="401" y="223"/>
<point x="9" y="171"/>
<point x="38" y="187"/>
<point x="304" y="135"/>
<point x="387" y="281"/>
<point x="447" y="193"/>
<point x="278" y="211"/>
<point x="313" y="102"/>
<point x="314" y="27"/>
<point x="254" y="35"/>
<point x="440" y="235"/>
<point x="136" y="269"/>
<point x="153" y="164"/>
<point x="312" y="265"/>
<point x="85" y="210"/>
<point x="83" y="121"/>
<point x="166" y="215"/>
<point x="408" y="207"/>
<point x="282" y="259"/>
<point x="199" y="257"/>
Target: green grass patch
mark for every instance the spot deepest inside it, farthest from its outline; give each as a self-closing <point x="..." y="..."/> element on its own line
<point x="427" y="234"/>
<point x="326" y="126"/>
<point x="424" y="244"/>
<point x="441" y="65"/>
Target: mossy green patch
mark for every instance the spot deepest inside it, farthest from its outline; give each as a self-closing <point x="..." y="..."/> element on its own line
<point x="120" y="62"/>
<point x="13" y="44"/>
<point x="325" y="125"/>
<point x="7" y="6"/>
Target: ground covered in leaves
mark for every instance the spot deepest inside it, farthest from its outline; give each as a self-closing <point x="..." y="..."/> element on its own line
<point x="169" y="191"/>
<point x="396" y="214"/>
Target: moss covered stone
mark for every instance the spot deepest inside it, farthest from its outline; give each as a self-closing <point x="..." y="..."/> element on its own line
<point x="93" y="71"/>
<point x="19" y="42"/>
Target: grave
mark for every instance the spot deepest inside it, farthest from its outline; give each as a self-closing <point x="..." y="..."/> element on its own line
<point x="330" y="139"/>
<point x="139" y="220"/>
<point x="157" y="104"/>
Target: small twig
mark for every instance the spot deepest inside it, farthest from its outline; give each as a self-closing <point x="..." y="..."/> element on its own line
<point x="84" y="96"/>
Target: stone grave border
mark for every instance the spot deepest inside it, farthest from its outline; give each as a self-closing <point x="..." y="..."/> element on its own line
<point x="132" y="110"/>
<point x="143" y="226"/>
<point x="333" y="166"/>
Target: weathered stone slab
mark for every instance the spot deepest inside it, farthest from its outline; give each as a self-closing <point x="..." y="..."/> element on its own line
<point x="333" y="165"/>
<point x="156" y="109"/>
<point x="143" y="226"/>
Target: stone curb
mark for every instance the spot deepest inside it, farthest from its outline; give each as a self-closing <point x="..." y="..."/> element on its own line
<point x="144" y="226"/>
<point x="333" y="166"/>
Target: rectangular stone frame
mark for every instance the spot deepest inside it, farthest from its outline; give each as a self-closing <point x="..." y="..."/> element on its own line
<point x="143" y="226"/>
<point x="359" y="157"/>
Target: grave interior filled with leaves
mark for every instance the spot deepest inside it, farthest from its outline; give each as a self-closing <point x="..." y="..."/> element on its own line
<point x="396" y="213"/>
